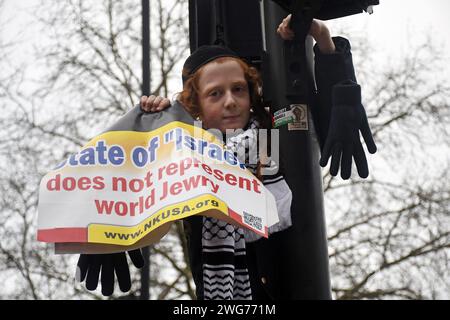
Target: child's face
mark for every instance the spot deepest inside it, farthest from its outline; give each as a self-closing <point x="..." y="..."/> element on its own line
<point x="223" y="96"/>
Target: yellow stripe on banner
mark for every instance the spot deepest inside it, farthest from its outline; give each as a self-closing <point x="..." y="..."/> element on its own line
<point x="120" y="235"/>
<point x="124" y="138"/>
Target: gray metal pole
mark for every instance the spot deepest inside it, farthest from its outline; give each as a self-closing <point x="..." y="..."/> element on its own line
<point x="302" y="258"/>
<point x="304" y="271"/>
<point x="145" y="272"/>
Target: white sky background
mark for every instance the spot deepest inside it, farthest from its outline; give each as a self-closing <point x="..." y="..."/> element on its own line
<point x="394" y="28"/>
<point x="398" y="25"/>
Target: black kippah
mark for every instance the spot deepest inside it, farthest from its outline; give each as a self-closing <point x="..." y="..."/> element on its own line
<point x="202" y="56"/>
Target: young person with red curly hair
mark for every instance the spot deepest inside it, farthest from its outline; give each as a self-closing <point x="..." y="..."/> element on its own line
<point x="223" y="91"/>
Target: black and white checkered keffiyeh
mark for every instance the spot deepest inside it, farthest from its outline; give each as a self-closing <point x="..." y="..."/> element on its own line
<point x="225" y="272"/>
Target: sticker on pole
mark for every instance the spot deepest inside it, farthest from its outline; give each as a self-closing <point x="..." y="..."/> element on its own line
<point x="300" y="115"/>
<point x="295" y="116"/>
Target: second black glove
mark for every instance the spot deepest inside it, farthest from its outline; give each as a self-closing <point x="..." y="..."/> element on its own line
<point x="90" y="266"/>
<point x="348" y="117"/>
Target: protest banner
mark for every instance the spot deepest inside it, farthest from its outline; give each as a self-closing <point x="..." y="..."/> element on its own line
<point x="123" y="190"/>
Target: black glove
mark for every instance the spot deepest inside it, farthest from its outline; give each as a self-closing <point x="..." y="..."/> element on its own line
<point x="89" y="266"/>
<point x="348" y="117"/>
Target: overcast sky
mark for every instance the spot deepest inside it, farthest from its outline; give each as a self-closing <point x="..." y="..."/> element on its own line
<point x="405" y="21"/>
<point x="395" y="26"/>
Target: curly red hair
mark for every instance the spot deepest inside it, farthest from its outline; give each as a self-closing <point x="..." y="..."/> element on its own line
<point x="189" y="96"/>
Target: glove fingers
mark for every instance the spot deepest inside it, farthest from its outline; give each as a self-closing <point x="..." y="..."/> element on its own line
<point x="346" y="162"/>
<point x="122" y="271"/>
<point x="82" y="267"/>
<point x="325" y="153"/>
<point x="93" y="272"/>
<point x="137" y="258"/>
<point x="107" y="276"/>
<point x="361" y="161"/>
<point x="335" y="159"/>
<point x="367" y="135"/>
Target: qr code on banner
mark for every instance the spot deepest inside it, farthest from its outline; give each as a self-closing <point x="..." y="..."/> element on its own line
<point x="255" y="222"/>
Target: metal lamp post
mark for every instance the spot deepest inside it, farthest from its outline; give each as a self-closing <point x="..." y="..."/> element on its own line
<point x="249" y="28"/>
<point x="145" y="271"/>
